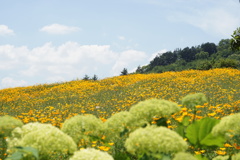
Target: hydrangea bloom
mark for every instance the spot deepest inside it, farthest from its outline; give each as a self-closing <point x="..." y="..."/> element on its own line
<point x="152" y="139"/>
<point x="91" y="154"/>
<point x="7" y="124"/>
<point x="184" y="156"/>
<point x="236" y="156"/>
<point x="193" y="100"/>
<point x="221" y="158"/>
<point x="148" y="109"/>
<point x="118" y="123"/>
<point x="227" y="124"/>
<point x="82" y="127"/>
<point x="47" y="139"/>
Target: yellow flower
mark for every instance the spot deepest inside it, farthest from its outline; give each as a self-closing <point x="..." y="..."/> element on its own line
<point x="197" y="152"/>
<point x="219" y="152"/>
<point x="111" y="144"/>
<point x="104" y="148"/>
<point x="227" y="145"/>
<point x="211" y="114"/>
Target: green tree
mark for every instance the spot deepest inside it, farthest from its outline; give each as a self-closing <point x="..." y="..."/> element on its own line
<point x="204" y="65"/>
<point x="224" y="48"/>
<point x="226" y="63"/>
<point x="86" y="77"/>
<point x="124" y="72"/>
<point x="235" y="41"/>
<point x="188" y="54"/>
<point x="202" y="55"/>
<point x="139" y="70"/>
<point x="95" y="77"/>
<point x="211" y="48"/>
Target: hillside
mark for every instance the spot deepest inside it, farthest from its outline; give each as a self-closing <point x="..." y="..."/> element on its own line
<point x="204" y="56"/>
<point x="55" y="102"/>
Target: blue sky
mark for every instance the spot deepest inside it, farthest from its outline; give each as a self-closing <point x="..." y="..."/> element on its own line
<point x="46" y="41"/>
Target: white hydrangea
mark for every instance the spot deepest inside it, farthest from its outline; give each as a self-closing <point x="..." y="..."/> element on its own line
<point x="118" y="123"/>
<point x="7" y="124"/>
<point x="221" y="158"/>
<point x="82" y="127"/>
<point x="193" y="100"/>
<point x="152" y="139"/>
<point x="236" y="156"/>
<point x="148" y="109"/>
<point x="47" y="139"/>
<point x="91" y="154"/>
<point x="228" y="124"/>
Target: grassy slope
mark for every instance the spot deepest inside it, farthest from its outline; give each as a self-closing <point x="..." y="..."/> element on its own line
<point x="56" y="102"/>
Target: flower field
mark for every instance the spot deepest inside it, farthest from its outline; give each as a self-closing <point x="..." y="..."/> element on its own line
<point x="55" y="103"/>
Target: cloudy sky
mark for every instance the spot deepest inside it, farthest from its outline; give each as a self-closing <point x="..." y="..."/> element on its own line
<point x="46" y="41"/>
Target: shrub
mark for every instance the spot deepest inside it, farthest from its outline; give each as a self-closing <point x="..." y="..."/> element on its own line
<point x="193" y="100"/>
<point x="221" y="158"/>
<point x="118" y="123"/>
<point x="146" y="110"/>
<point x="83" y="127"/>
<point x="47" y="139"/>
<point x="228" y="124"/>
<point x="91" y="154"/>
<point x="204" y="65"/>
<point x="226" y="63"/>
<point x="154" y="140"/>
<point x="236" y="156"/>
<point x="7" y="124"/>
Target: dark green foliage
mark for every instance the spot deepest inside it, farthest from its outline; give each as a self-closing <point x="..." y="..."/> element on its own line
<point x="202" y="57"/>
<point x="235" y="41"/>
<point x="124" y="72"/>
<point x="164" y="59"/>
<point x="211" y="48"/>
<point x="95" y="77"/>
<point x="162" y="122"/>
<point x="204" y="65"/>
<point x="227" y="63"/>
<point x="86" y="77"/>
<point x="188" y="54"/>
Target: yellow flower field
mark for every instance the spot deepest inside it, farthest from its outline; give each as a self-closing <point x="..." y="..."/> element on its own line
<point x="53" y="103"/>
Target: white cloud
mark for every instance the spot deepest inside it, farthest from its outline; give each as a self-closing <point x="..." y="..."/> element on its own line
<point x="121" y="38"/>
<point x="126" y="59"/>
<point x="220" y="19"/>
<point x="49" y="63"/>
<point x="156" y="53"/>
<point x="4" y="30"/>
<point x="10" y="82"/>
<point x="59" y="29"/>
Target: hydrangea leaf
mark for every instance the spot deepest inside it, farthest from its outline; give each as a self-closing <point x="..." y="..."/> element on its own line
<point x="192" y="132"/>
<point x="211" y="140"/>
<point x="199" y="133"/>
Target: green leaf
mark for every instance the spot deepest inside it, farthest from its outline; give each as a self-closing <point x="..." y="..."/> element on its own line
<point x="205" y="126"/>
<point x="211" y="140"/>
<point x="181" y="130"/>
<point x="185" y="120"/>
<point x="199" y="133"/>
<point x="32" y="150"/>
<point x="192" y="133"/>
<point x="16" y="156"/>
